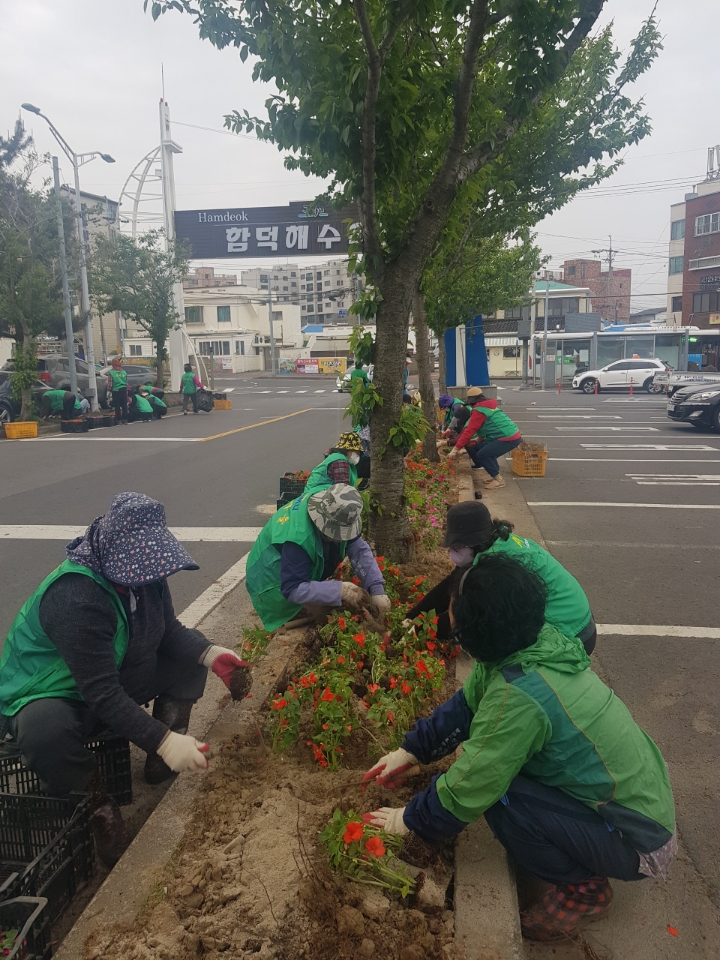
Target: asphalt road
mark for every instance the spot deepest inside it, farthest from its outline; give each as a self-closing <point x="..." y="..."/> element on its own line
<point x="642" y="565"/>
<point x="218" y="482"/>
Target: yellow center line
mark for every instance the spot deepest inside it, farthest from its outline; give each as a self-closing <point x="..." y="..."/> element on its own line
<point x="251" y="426"/>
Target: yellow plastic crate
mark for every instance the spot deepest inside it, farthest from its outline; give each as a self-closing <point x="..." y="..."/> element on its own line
<point x="529" y="459"/>
<point x="20" y="430"/>
<point x="222" y="404"/>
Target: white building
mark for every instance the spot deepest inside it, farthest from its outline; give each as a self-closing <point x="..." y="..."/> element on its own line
<point x="323" y="291"/>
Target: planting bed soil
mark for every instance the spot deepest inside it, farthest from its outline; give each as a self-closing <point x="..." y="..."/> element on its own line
<point x="252" y="877"/>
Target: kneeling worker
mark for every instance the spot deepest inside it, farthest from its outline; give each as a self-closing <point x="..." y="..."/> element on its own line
<point x="569" y="784"/>
<point x="339" y="466"/>
<point x="98" y="638"/>
<point x="301" y="547"/>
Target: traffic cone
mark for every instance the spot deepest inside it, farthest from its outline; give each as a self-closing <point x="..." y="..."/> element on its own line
<point x="559" y="385"/>
<point x="596" y="388"/>
<point x="631" y="386"/>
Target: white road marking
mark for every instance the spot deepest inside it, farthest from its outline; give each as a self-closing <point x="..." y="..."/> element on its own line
<point x="301" y="391"/>
<point x="613" y="429"/>
<point x="602" y="503"/>
<point x="262" y="391"/>
<point x="48" y="531"/>
<point x="533" y="409"/>
<point x="632" y="400"/>
<point x="647" y="446"/>
<point x="282" y="391"/>
<point x="318" y="391"/>
<point x="69" y="438"/>
<point x="651" y="630"/>
<point x="633" y="545"/>
<point x="579" y="416"/>
<point x="215" y="594"/>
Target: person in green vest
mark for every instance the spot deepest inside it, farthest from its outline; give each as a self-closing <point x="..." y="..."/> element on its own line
<point x="570" y="785"/>
<point x="189" y="386"/>
<point x="158" y="405"/>
<point x="71" y="407"/>
<point x="140" y="407"/>
<point x="292" y="563"/>
<point x="339" y="466"/>
<point x="98" y="639"/>
<point x="472" y="533"/>
<point x="358" y="374"/>
<point x="117" y="387"/>
<point x="496" y="431"/>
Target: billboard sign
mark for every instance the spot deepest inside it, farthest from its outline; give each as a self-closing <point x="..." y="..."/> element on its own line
<point x="306" y="365"/>
<point x="297" y="230"/>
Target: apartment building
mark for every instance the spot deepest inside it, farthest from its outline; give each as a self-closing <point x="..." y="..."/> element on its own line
<point x="323" y="291"/>
<point x="203" y="277"/>
<point x="693" y="287"/>
<point x="610" y="289"/>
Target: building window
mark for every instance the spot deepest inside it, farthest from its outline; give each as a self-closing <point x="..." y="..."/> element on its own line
<point x="676" y="265"/>
<point x="193" y="314"/>
<point x="293" y="274"/>
<point x="135" y="350"/>
<point x="337" y="272"/>
<point x="705" y="302"/>
<point x="240" y="348"/>
<point x="311" y="308"/>
<point x="326" y="273"/>
<point x="303" y="308"/>
<point x="513" y="313"/>
<point x="215" y="348"/>
<point x="676" y="305"/>
<point x="704" y="263"/>
<point x="284" y="288"/>
<point x="677" y="230"/>
<point x="571" y="271"/>
<point x="320" y="308"/>
<point x="191" y="283"/>
<point x="342" y="304"/>
<point x="327" y="283"/>
<point x="319" y="275"/>
<point x="310" y="286"/>
<point x="263" y="278"/>
<point x="293" y="284"/>
<point x="509" y="352"/>
<point x="223" y="314"/>
<point x="709" y="223"/>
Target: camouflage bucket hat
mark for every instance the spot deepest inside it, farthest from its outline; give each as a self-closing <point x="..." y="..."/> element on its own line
<point x="350" y="442"/>
<point x="337" y="512"/>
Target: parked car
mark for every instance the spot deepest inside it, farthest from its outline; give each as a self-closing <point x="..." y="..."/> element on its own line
<point x="343" y="383"/>
<point x="137" y="375"/>
<point x="619" y="375"/>
<point x="54" y="371"/>
<point x="9" y="406"/>
<point x="698" y="404"/>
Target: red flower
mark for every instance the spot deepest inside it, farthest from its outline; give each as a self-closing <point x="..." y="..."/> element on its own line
<point x="393" y="682"/>
<point x="341" y="622"/>
<point x="341" y="659"/>
<point x="421" y="666"/>
<point x="278" y="704"/>
<point x="326" y="726"/>
<point x="375" y="847"/>
<point x="435" y="621"/>
<point x="372" y="687"/>
<point x="391" y="716"/>
<point x="328" y="695"/>
<point x="353" y="831"/>
<point x="406" y="688"/>
<point x="419" y="581"/>
<point x="359" y="639"/>
<point x="432" y="634"/>
<point x="430" y="645"/>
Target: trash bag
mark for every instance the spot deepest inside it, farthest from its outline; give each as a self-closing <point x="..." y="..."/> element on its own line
<point x="205" y="400"/>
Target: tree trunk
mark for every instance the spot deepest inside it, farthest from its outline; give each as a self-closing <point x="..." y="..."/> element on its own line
<point x="427" y="391"/>
<point x="442" y="360"/>
<point x="28" y="350"/>
<point x="159" y="376"/>
<point x="389" y="526"/>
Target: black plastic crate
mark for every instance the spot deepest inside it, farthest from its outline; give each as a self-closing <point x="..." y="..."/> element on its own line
<point x="113" y="759"/>
<point x="29" y="917"/>
<point x="291" y="488"/>
<point x="46" y="848"/>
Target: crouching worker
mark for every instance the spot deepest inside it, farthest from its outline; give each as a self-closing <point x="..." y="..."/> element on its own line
<point x="70" y="405"/>
<point x="570" y="785"/>
<point x="339" y="466"/>
<point x="298" y="551"/>
<point x="98" y="638"/>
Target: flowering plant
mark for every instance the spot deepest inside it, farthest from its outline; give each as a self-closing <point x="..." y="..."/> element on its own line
<point x="427" y="487"/>
<point x="365" y="854"/>
<point x="7" y="942"/>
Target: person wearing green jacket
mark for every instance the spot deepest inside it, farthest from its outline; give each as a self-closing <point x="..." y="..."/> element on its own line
<point x="339" y="466"/>
<point x="140" y="406"/>
<point x="471" y="533"/>
<point x="117" y="384"/>
<point x="189" y="386"/>
<point x="570" y="785"/>
<point x="70" y="406"/>
<point x="496" y="431"/>
<point x="357" y="373"/>
<point x="292" y="563"/>
<point x="155" y="398"/>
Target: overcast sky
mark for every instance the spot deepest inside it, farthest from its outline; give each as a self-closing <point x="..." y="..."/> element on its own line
<point x="94" y="67"/>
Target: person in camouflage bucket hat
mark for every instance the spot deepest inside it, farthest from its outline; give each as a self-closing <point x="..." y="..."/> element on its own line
<point x="337" y="512"/>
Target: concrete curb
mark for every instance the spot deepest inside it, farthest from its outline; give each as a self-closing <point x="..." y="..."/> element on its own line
<point x="487" y="916"/>
<point x="130" y="884"/>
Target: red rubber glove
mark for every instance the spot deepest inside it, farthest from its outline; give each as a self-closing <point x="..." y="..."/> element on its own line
<point x="223" y="663"/>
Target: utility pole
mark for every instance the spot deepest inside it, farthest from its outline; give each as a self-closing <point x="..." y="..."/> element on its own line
<point x="69" y="336"/>
<point x="545" y="328"/>
<point x="272" y="334"/>
<point x="609" y="256"/>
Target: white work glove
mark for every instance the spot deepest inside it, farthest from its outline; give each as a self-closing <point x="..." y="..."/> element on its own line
<point x="353" y="596"/>
<point x="453" y="453"/>
<point x="223" y="663"/>
<point x="388" y="771"/>
<point x="389" y="819"/>
<point x="382" y="604"/>
<point x="183" y="753"/>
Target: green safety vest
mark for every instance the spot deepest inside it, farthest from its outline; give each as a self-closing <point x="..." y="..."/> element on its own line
<point x="497" y="425"/>
<point x="56" y="399"/>
<point x="187" y="382"/>
<point x="291" y="524"/>
<point x="143" y="405"/>
<point x="31" y="667"/>
<point x="356" y="374"/>
<point x="567" y="608"/>
<point x="451" y="412"/>
<point x="119" y="379"/>
<point x="319" y="479"/>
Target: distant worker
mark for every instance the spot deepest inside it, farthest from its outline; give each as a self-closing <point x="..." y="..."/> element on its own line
<point x="339" y="466"/>
<point x="359" y="374"/>
<point x="117" y="383"/>
<point x="140" y="408"/>
<point x="457" y="413"/>
<point x="72" y="406"/>
<point x="293" y="562"/>
<point x="496" y="431"/>
<point x="189" y="387"/>
<point x="155" y="399"/>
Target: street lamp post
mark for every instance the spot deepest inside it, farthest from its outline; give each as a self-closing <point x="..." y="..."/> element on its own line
<point x="77" y="160"/>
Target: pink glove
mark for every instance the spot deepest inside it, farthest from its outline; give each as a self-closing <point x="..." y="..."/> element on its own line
<point x="391" y="770"/>
<point x="223" y="663"/>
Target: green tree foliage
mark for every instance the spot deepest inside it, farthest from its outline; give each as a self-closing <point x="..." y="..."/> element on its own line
<point x="410" y="106"/>
<point x="137" y="278"/>
<point x="30" y="285"/>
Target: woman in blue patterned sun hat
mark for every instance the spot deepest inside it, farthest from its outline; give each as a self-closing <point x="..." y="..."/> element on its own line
<point x="97" y="639"/>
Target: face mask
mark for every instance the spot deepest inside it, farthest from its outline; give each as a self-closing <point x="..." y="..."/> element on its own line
<point x="461" y="556"/>
<point x="354" y="458"/>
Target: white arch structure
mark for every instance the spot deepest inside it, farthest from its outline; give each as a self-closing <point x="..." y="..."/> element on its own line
<point x="141" y="189"/>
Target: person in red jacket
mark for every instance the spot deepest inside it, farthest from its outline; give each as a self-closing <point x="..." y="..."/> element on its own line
<point x="497" y="433"/>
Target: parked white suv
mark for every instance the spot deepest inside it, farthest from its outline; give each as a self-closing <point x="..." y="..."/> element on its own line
<point x="620" y="375"/>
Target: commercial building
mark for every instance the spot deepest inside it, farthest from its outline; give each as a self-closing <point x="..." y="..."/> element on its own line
<point x="323" y="291"/>
<point x="693" y="288"/>
<point x="610" y="289"/>
<point x="203" y="277"/>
